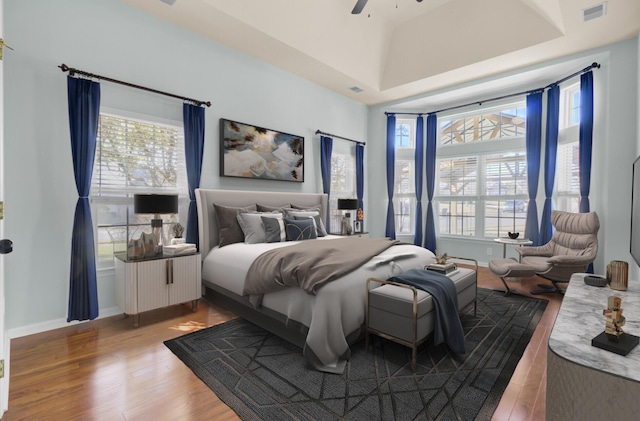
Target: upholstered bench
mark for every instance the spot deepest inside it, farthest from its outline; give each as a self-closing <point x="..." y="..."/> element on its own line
<point x="510" y="268"/>
<point x="404" y="314"/>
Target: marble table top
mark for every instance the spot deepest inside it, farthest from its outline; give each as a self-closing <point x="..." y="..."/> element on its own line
<point x="580" y="319"/>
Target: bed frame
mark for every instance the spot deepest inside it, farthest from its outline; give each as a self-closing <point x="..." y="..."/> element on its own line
<point x="274" y="322"/>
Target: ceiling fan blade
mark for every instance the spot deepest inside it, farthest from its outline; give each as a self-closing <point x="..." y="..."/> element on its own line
<point x="358" y="7"/>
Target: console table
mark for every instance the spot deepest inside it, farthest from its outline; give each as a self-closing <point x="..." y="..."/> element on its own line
<point x="585" y="382"/>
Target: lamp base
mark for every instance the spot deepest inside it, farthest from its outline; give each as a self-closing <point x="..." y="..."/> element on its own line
<point x="156" y="224"/>
<point x="346" y="228"/>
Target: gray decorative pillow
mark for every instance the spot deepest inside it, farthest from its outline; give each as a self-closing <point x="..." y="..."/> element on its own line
<point x="274" y="229"/>
<point x="314" y="207"/>
<point x="229" y="231"/>
<point x="268" y="208"/>
<point x="301" y="229"/>
<point x="314" y="213"/>
<point x="252" y="227"/>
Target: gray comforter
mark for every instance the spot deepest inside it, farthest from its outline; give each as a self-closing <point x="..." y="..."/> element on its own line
<point x="309" y="264"/>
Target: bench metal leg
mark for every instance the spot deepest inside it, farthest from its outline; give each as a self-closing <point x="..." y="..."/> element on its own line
<point x="414" y="355"/>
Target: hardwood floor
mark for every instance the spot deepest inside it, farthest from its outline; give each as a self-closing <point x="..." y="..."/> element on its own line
<point x="108" y="370"/>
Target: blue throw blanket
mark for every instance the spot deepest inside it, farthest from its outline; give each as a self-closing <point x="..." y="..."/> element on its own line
<point x="447" y="325"/>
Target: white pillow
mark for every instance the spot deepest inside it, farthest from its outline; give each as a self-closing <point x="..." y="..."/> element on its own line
<point x="252" y="227"/>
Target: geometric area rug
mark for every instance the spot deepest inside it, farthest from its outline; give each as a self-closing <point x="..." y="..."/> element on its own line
<point x="263" y="377"/>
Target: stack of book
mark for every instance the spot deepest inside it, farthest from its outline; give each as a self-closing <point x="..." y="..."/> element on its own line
<point x="443" y="268"/>
<point x="178" y="249"/>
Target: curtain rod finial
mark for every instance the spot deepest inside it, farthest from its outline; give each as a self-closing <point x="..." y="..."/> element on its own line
<point x="64" y="67"/>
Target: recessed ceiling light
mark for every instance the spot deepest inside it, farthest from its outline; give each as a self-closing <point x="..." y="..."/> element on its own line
<point x="356" y="89"/>
<point x="594" y="12"/>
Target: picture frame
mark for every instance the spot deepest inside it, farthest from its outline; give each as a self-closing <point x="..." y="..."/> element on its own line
<point x="357" y="226"/>
<point x="249" y="151"/>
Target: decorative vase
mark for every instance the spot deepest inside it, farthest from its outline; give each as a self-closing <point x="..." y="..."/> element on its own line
<point x="618" y="275"/>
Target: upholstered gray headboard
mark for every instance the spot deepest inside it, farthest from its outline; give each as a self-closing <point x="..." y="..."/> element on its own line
<point x="205" y="198"/>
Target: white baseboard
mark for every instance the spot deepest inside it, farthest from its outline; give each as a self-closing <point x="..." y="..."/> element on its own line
<point x="19" y="332"/>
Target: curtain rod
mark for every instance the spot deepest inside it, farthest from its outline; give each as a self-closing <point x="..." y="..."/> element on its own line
<point x="593" y="65"/>
<point x="340" y="137"/>
<point x="73" y="72"/>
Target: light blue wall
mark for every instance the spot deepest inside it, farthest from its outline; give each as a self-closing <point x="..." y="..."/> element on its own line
<point x="615" y="146"/>
<point x="110" y="38"/>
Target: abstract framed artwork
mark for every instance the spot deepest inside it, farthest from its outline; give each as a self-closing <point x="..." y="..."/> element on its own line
<point x="249" y="151"/>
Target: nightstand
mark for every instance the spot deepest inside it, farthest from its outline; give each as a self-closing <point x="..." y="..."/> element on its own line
<point x="354" y="234"/>
<point x="156" y="282"/>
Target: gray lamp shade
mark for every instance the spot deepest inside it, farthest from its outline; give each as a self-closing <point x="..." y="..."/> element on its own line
<point x="347" y="204"/>
<point x="155" y="203"/>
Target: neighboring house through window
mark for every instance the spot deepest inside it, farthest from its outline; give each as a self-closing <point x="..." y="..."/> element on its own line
<point x="481" y="188"/>
<point x="133" y="155"/>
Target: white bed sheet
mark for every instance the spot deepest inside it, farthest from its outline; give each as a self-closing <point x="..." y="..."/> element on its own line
<point x="338" y="308"/>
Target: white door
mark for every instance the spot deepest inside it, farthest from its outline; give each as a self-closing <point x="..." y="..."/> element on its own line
<point x="4" y="342"/>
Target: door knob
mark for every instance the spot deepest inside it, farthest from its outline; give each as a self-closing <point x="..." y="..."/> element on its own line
<point x="6" y="246"/>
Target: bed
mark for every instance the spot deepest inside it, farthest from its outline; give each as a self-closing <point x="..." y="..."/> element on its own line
<point x="323" y="324"/>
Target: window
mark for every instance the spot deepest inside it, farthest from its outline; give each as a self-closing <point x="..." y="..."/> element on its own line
<point x="567" y="190"/>
<point x="343" y="182"/>
<point x="482" y="173"/>
<point x="404" y="191"/>
<point x="499" y="124"/>
<point x="570" y="106"/>
<point x="404" y="134"/>
<point x="132" y="156"/>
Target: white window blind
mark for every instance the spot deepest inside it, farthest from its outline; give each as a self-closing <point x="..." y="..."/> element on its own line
<point x="134" y="156"/>
<point x="404" y="197"/>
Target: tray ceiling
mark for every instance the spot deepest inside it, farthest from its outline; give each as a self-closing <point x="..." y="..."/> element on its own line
<point x="399" y="48"/>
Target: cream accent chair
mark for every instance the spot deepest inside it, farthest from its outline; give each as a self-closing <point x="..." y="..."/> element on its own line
<point x="572" y="248"/>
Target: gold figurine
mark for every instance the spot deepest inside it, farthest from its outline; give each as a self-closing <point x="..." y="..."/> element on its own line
<point x="615" y="319"/>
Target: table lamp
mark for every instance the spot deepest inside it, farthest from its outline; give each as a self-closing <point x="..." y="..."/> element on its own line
<point x="347" y="204"/>
<point x="156" y="204"/>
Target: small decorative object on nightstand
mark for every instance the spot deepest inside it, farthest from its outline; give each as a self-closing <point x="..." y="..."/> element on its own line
<point x="177" y="230"/>
<point x="357" y="226"/>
